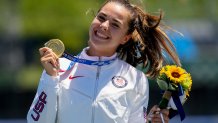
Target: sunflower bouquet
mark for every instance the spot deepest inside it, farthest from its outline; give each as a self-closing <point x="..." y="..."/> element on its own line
<point x="175" y="82"/>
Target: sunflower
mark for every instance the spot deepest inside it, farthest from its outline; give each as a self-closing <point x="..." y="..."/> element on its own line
<point x="175" y="75"/>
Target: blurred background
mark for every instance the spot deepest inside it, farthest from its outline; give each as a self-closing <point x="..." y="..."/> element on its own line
<point x="25" y="25"/>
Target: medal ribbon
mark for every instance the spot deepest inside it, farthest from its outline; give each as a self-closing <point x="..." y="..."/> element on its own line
<point x="84" y="61"/>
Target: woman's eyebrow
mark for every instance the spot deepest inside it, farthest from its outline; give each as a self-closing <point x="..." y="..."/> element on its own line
<point x="117" y="21"/>
<point x="113" y="19"/>
<point x="101" y="13"/>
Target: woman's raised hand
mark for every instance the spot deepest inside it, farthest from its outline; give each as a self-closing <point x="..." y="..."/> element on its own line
<point x="49" y="61"/>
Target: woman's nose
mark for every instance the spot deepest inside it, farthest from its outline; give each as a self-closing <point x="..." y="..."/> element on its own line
<point x="105" y="25"/>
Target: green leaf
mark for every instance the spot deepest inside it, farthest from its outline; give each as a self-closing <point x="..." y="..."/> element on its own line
<point x="162" y="84"/>
<point x="173" y="87"/>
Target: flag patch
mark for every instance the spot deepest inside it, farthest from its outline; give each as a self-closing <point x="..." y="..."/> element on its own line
<point x="119" y="81"/>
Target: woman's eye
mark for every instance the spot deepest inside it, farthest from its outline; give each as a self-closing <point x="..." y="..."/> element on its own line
<point x="101" y="18"/>
<point x="115" y="25"/>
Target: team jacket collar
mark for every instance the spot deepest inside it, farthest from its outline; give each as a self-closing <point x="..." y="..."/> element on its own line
<point x="84" y="55"/>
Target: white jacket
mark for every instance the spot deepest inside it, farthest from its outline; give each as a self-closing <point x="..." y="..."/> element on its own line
<point x="114" y="93"/>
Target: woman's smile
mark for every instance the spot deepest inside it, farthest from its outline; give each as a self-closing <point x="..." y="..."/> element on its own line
<point x="101" y="35"/>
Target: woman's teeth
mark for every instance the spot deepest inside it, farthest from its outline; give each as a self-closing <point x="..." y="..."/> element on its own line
<point x="101" y="35"/>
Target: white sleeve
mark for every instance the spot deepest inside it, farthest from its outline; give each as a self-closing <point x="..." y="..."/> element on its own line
<point x="139" y="111"/>
<point x="44" y="105"/>
<point x="139" y="116"/>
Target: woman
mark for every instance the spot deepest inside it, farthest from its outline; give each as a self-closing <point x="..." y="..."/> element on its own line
<point x="112" y="90"/>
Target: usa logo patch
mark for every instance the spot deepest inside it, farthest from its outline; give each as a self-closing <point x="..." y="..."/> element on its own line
<point x="119" y="81"/>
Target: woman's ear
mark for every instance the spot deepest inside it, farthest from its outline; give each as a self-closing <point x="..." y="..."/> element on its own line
<point x="126" y="38"/>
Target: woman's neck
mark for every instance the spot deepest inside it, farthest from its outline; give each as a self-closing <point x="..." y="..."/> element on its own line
<point x="92" y="52"/>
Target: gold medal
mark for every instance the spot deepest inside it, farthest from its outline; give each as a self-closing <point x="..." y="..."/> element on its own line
<point x="56" y="45"/>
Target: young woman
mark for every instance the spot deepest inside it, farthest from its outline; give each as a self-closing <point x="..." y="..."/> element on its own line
<point x="106" y="87"/>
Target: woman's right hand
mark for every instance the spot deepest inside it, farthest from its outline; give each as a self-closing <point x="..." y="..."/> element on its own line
<point x="49" y="61"/>
<point x="155" y="113"/>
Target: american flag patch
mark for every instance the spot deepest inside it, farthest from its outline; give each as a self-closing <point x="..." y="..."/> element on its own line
<point x="145" y="113"/>
<point x="119" y="81"/>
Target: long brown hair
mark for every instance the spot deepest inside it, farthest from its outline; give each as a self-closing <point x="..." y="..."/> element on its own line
<point x="148" y="40"/>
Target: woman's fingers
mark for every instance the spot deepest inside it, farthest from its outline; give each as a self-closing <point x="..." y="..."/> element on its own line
<point x="48" y="56"/>
<point x="157" y="118"/>
<point x="154" y="109"/>
<point x="156" y="115"/>
<point x="43" y="50"/>
<point x="165" y="113"/>
<point x="49" y="60"/>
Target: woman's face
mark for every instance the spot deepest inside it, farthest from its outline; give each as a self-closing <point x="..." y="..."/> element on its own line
<point x="108" y="29"/>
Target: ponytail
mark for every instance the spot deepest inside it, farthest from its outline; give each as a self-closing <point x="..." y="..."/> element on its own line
<point x="155" y="42"/>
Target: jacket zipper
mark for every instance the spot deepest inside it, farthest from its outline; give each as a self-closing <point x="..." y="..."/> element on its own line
<point x="95" y="91"/>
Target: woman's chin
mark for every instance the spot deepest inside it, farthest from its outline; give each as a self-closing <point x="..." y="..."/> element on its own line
<point x="97" y="42"/>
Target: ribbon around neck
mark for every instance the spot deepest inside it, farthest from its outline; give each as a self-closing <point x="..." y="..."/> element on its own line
<point x="74" y="59"/>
